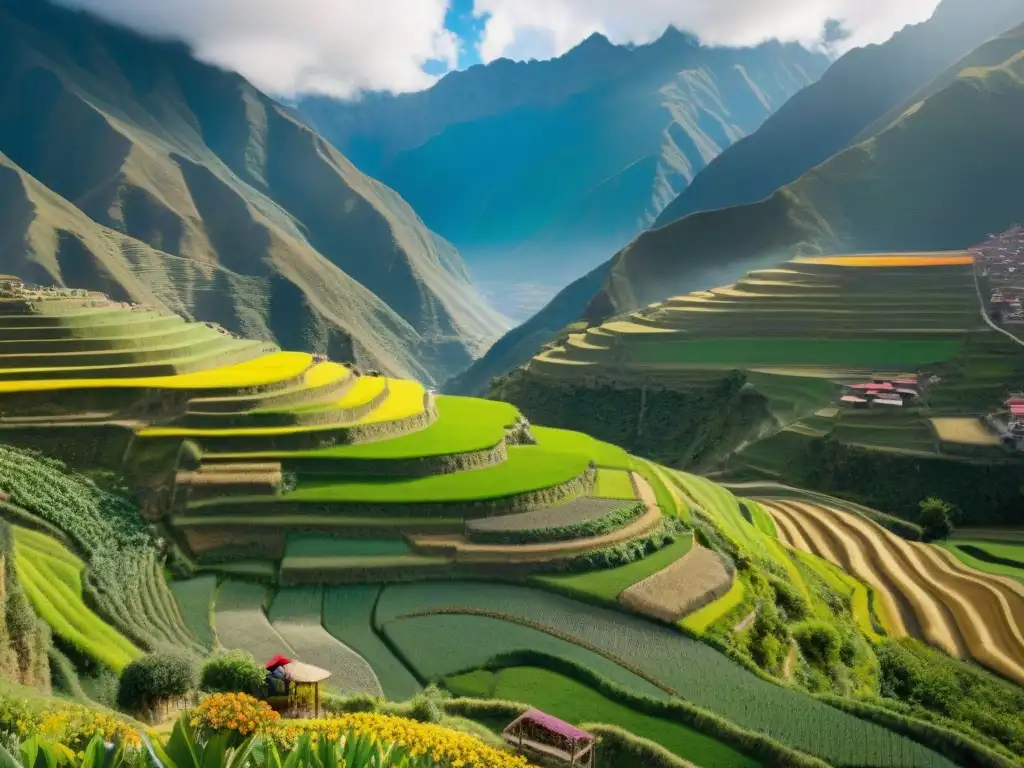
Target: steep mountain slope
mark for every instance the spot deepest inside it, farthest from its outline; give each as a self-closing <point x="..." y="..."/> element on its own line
<point x="132" y="168"/>
<point x="858" y="89"/>
<point x="942" y="176"/>
<point x="608" y="137"/>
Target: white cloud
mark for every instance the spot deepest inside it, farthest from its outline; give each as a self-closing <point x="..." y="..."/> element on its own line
<point x="291" y="46"/>
<point x="546" y="28"/>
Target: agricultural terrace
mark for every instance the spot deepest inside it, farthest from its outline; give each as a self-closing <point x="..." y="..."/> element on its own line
<point x="927" y="592"/>
<point x="444" y="614"/>
<point x="306" y="494"/>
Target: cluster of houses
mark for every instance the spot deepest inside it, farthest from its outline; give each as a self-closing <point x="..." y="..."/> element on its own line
<point x="1001" y="259"/>
<point x="885" y="393"/>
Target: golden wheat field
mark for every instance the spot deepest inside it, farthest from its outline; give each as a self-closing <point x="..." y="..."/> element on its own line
<point x="926" y="592"/>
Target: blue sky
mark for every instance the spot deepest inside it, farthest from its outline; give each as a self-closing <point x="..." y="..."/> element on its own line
<point x="461" y="22"/>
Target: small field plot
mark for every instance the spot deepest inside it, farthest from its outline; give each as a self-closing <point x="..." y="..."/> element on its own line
<point x="688" y="584"/>
<point x="692" y="669"/>
<point x="240" y="622"/>
<point x="966" y="431"/>
<point x="348" y="616"/>
<point x="51" y="577"/>
<point x="999" y="558"/>
<point x="438" y="645"/>
<point x="296" y="615"/>
<point x="614" y="484"/>
<point x="577" y="703"/>
<point x="603" y="454"/>
<point x="551" y="523"/>
<point x="608" y="584"/>
<point x="702" y="619"/>
<point x="310" y="545"/>
<point x="528" y="468"/>
<point x="758" y="352"/>
<point x="195" y="600"/>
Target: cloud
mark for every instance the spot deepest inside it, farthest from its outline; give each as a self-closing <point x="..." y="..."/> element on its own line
<point x="545" y="28"/>
<point x="286" y="47"/>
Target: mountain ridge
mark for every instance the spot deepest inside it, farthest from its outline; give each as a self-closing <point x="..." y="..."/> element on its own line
<point x="273" y="233"/>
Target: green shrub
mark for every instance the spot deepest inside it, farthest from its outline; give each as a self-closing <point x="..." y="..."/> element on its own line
<point x="936" y="519"/>
<point x="155" y="679"/>
<point x="233" y="672"/>
<point x="820" y="642"/>
<point x="341" y="705"/>
<point x="789" y="599"/>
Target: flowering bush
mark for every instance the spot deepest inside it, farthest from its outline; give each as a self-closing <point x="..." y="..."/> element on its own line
<point x="69" y="723"/>
<point x="440" y="745"/>
<point x="237" y="712"/>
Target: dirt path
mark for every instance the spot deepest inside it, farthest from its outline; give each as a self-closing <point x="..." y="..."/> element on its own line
<point x="966" y="613"/>
<point x="465" y="551"/>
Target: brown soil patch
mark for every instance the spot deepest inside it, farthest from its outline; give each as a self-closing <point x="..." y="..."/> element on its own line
<point x="690" y="583"/>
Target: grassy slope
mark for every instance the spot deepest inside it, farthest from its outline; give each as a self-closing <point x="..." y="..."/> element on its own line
<point x="576" y="703"/>
<point x="51" y="576"/>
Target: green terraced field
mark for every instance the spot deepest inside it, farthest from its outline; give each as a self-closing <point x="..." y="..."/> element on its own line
<point x="858" y="353"/>
<point x="240" y="622"/>
<point x="604" y="454"/>
<point x="606" y="585"/>
<point x="348" y="616"/>
<point x="309" y="545"/>
<point x="195" y="599"/>
<point x="528" y="468"/>
<point x="296" y="615"/>
<point x="52" y="582"/>
<point x="999" y="558"/>
<point x="703" y="675"/>
<point x="703" y="619"/>
<point x="614" y="484"/>
<point x="435" y="646"/>
<point x="464" y="425"/>
<point x="577" y="703"/>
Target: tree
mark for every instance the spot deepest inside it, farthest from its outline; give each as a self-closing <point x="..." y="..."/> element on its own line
<point x="153" y="680"/>
<point x="936" y="519"/>
<point x="233" y="672"/>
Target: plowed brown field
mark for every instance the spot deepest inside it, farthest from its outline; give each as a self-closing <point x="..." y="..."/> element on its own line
<point x="927" y="592"/>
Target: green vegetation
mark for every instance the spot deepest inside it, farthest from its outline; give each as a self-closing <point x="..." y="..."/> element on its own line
<point x="706" y="677"/>
<point x="700" y="620"/>
<point x="576" y="703"/>
<point x="527" y="469"/>
<point x="152" y="681"/>
<point x="52" y="582"/>
<point x="233" y="672"/>
<point x="614" y="484"/>
<point x="306" y="545"/>
<point x="348" y="615"/>
<point x="999" y="558"/>
<point x="195" y="599"/>
<point x="606" y="585"/>
<point x="604" y="454"/>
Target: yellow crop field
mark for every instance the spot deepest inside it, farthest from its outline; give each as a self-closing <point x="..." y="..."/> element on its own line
<point x="891" y="260"/>
<point x="262" y="371"/>
<point x="362" y="392"/>
<point x="405" y="400"/>
<point x="322" y="374"/>
<point x="966" y="431"/>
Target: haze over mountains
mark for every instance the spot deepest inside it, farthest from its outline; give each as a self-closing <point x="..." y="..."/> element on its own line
<point x="127" y="166"/>
<point x="544" y="168"/>
<point x="937" y="166"/>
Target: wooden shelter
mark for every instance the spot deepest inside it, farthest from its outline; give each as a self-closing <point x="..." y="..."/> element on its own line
<point x="543" y="734"/>
<point x="299" y="676"/>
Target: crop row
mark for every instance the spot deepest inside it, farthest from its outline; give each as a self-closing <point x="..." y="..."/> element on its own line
<point x="692" y="669"/>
